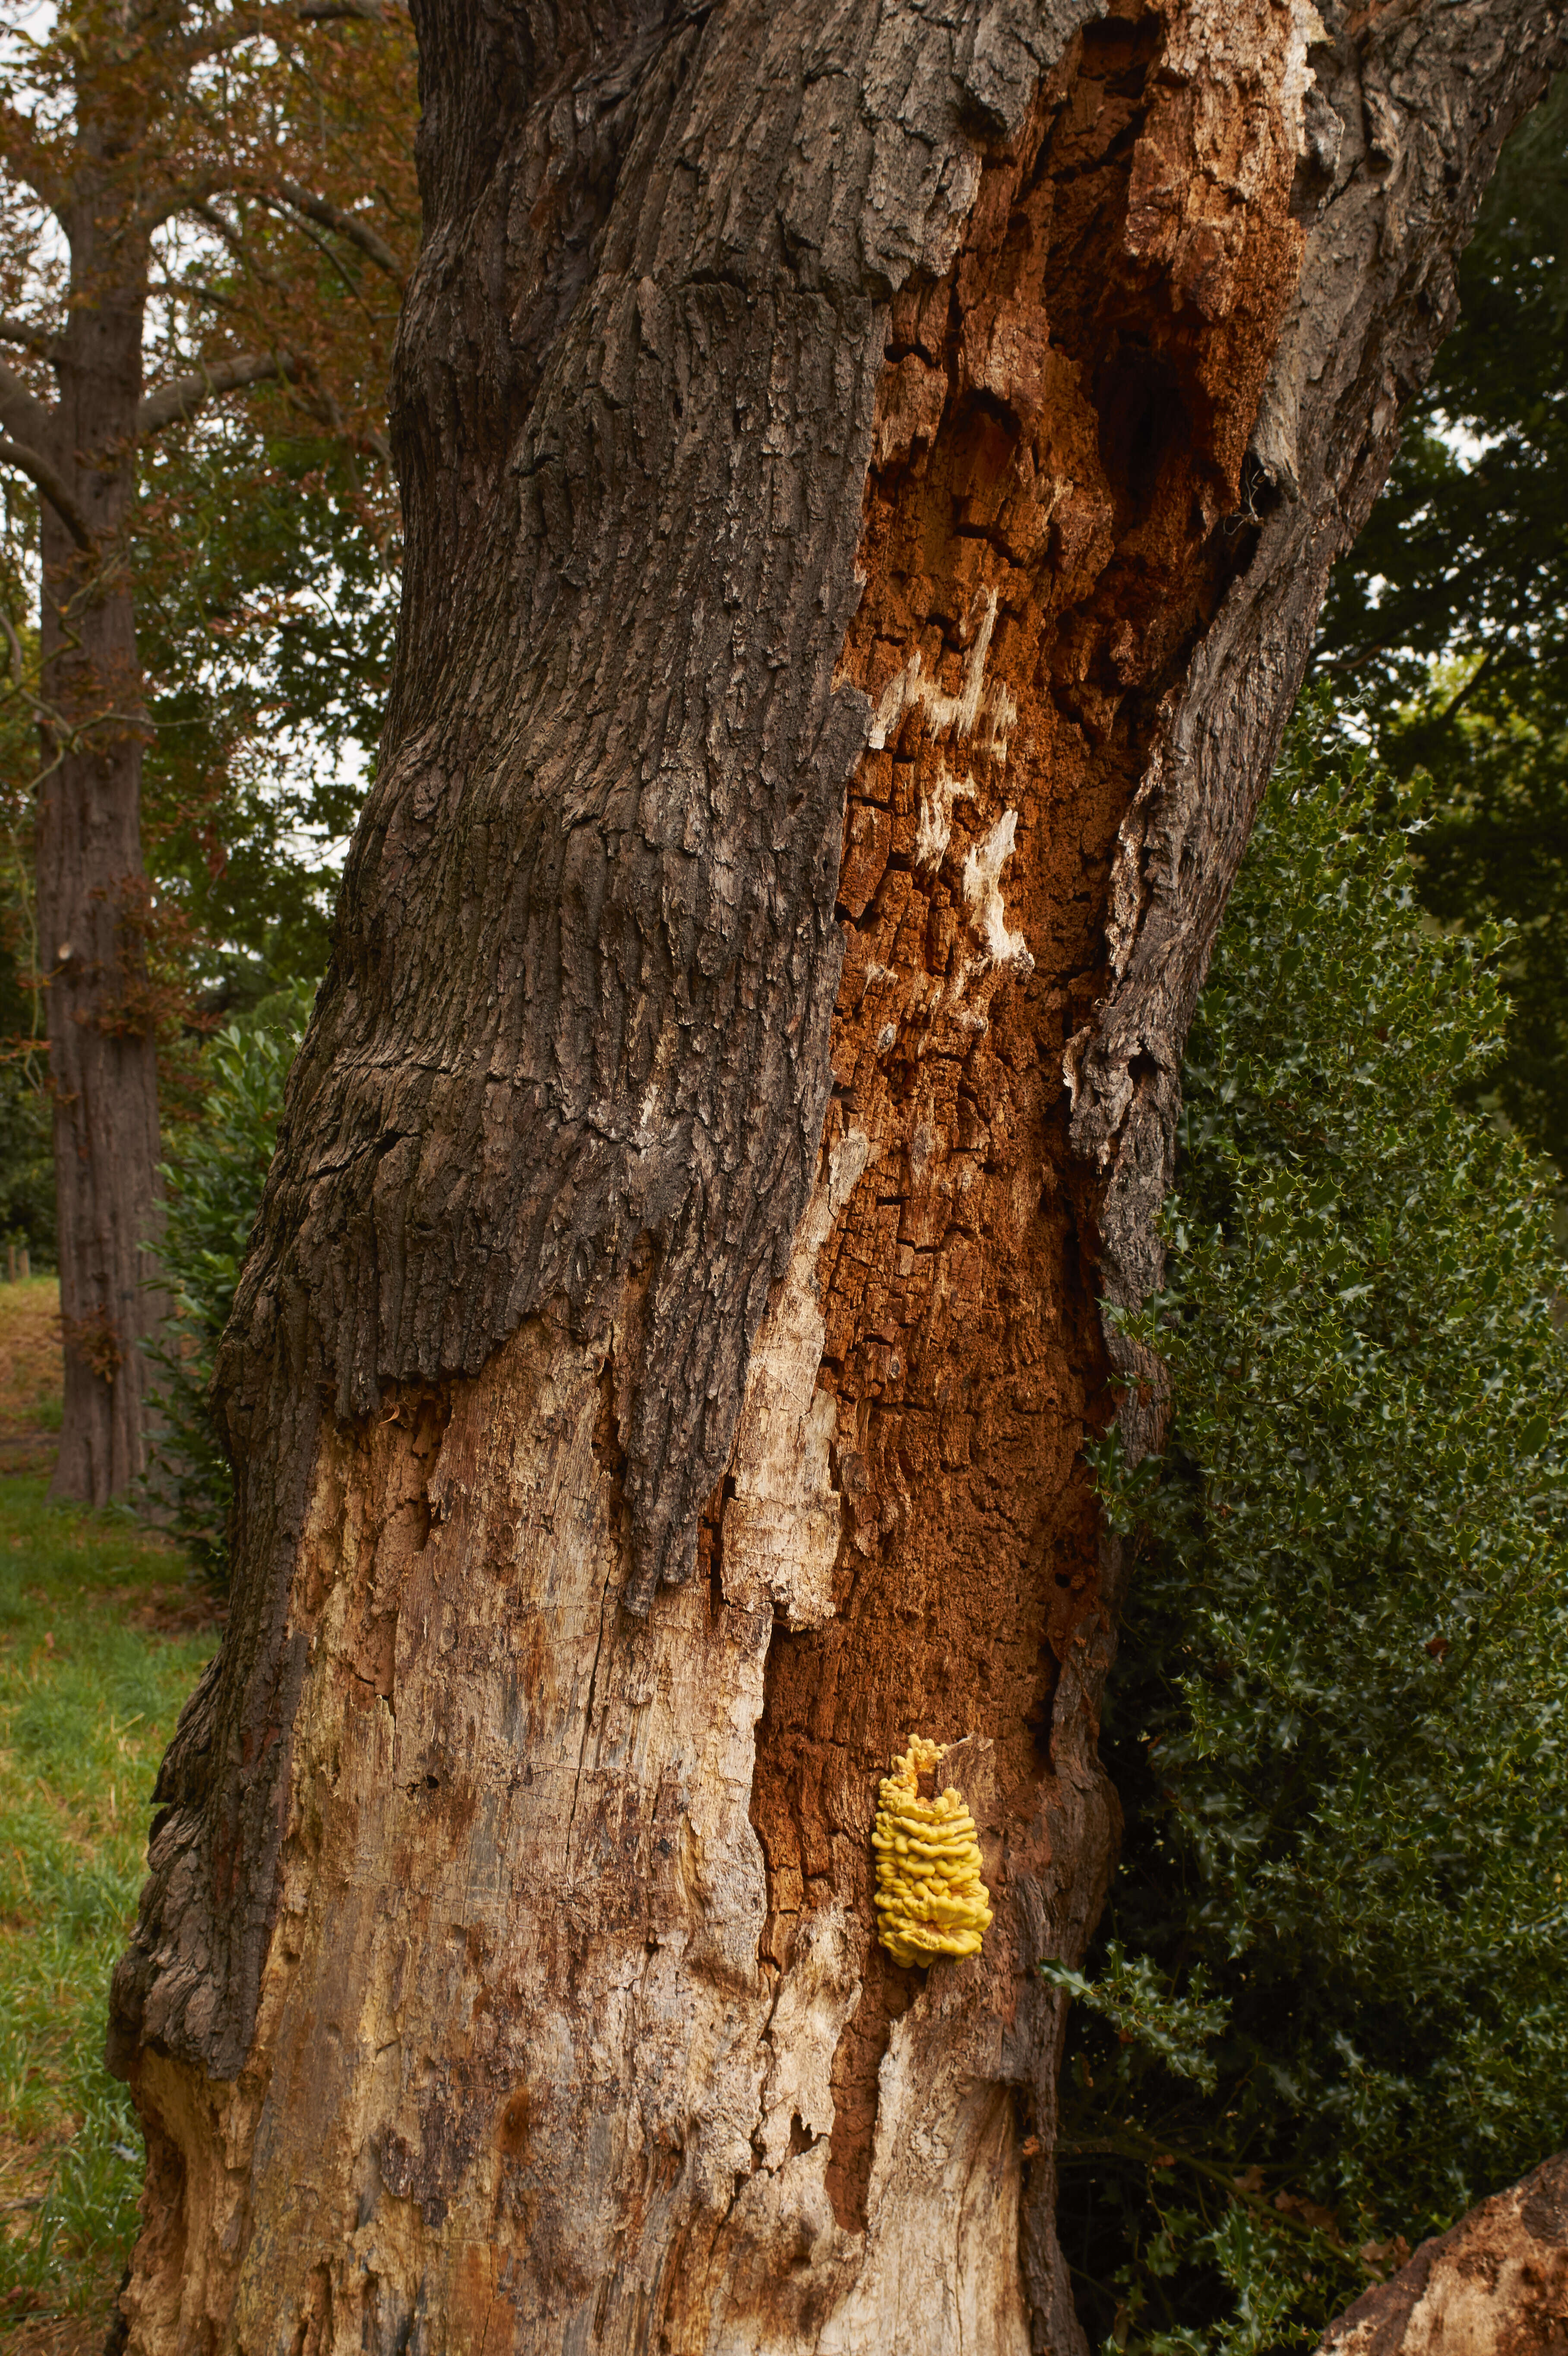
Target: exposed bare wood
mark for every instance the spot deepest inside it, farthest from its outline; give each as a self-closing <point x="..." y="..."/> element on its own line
<point x="1495" y="2286"/>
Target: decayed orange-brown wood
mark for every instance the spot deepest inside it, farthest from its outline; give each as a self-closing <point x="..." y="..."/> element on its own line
<point x="1057" y="430"/>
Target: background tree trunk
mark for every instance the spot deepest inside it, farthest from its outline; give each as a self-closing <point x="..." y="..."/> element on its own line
<point x="869" y="483"/>
<point x="109" y="135"/>
<point x="93" y="904"/>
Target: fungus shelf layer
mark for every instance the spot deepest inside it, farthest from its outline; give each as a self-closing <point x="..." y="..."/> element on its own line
<point x="930" y="1899"/>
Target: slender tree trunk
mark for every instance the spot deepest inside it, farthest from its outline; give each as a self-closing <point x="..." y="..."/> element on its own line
<point x="92" y="899"/>
<point x="869" y="483"/>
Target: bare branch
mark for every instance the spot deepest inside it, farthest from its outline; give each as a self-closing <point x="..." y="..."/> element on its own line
<point x="282" y="21"/>
<point x="23" y="332"/>
<point x="347" y="225"/>
<point x="21" y="409"/>
<point x="51" y="482"/>
<point x="172" y="403"/>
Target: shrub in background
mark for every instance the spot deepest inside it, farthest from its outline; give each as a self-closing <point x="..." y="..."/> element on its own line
<point x="1328" y="2009"/>
<point x="26" y="1163"/>
<point x="214" y="1191"/>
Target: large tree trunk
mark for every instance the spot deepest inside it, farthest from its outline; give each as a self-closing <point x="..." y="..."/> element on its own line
<point x="93" y="897"/>
<point x="846" y="636"/>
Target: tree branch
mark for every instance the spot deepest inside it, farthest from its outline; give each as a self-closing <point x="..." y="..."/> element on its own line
<point x="347" y="225"/>
<point x="29" y="157"/>
<point x="1482" y="667"/>
<point x="50" y="482"/>
<point x="172" y="403"/>
<point x="287" y="196"/>
<point x="190" y="197"/>
<point x="19" y="409"/>
<point x="22" y="331"/>
<point x="278" y="21"/>
<point x="224" y="229"/>
<point x="192" y="290"/>
<point x="332" y="12"/>
<point x="328" y="253"/>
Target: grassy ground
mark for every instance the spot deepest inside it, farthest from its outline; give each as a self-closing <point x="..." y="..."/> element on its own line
<point x="29" y="1374"/>
<point x="101" y="1636"/>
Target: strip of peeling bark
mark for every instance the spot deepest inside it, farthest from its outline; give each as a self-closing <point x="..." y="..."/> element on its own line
<point x="870" y="482"/>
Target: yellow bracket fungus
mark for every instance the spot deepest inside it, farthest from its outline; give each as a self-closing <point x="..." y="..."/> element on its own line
<point x="930" y="1899"/>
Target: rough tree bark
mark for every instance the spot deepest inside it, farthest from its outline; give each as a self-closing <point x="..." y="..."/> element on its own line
<point x="871" y="473"/>
<point x="93" y="897"/>
<point x="1495" y="2286"/>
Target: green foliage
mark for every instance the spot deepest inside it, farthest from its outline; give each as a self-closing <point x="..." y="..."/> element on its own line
<point x="26" y="1160"/>
<point x="214" y="1193"/>
<point x="1449" y="619"/>
<point x="266" y="595"/>
<point x="1130" y="1996"/>
<point x="1330" y="2009"/>
<point x="88" y="1699"/>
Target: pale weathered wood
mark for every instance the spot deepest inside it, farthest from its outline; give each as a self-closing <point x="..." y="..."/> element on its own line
<point x="1496" y="2284"/>
<point x="845" y="637"/>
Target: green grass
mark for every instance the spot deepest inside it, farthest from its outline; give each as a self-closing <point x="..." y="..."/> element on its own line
<point x="97" y="1655"/>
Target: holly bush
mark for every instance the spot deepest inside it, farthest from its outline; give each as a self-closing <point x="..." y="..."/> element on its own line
<point x="1328" y="2009"/>
<point x="213" y="1185"/>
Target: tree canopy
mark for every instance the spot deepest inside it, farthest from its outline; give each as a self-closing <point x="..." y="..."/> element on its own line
<point x="275" y="171"/>
<point x="203" y="206"/>
<point x="1446" y="634"/>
